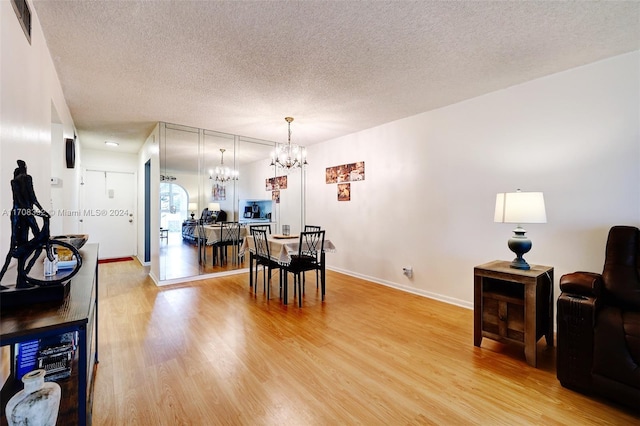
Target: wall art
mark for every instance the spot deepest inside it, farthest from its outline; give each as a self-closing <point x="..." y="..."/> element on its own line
<point x="274" y="183"/>
<point x="352" y="172"/>
<point x="219" y="192"/>
<point x="344" y="192"/>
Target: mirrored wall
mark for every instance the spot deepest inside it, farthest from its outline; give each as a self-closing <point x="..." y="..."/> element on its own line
<point x="208" y="177"/>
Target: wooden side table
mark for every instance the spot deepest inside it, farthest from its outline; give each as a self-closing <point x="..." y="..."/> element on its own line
<point x="513" y="305"/>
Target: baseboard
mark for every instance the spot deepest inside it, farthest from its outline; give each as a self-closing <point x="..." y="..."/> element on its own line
<point x="430" y="295"/>
<point x="142" y="262"/>
<point x="183" y="280"/>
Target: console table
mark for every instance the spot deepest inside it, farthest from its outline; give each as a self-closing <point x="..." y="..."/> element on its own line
<point x="77" y="313"/>
<point x="513" y="305"/>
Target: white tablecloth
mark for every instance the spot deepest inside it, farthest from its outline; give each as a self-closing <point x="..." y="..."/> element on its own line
<point x="281" y="249"/>
<point x="213" y="233"/>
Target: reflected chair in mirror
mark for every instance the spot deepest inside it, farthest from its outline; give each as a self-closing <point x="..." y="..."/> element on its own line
<point x="263" y="257"/>
<point x="310" y="257"/>
<point x="309" y="228"/>
<point x="229" y="237"/>
<point x="203" y="243"/>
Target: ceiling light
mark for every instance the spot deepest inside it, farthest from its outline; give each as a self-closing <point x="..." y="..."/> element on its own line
<point x="109" y="143"/>
<point x="224" y="174"/>
<point x="289" y="156"/>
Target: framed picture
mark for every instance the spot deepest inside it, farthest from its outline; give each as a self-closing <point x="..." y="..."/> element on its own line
<point x="352" y="172"/>
<point x="331" y="175"/>
<point x="275" y="196"/>
<point x="276" y="183"/>
<point x="344" y="192"/>
<point x="219" y="192"/>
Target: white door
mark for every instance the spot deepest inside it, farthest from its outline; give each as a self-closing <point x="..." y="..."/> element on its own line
<point x="109" y="217"/>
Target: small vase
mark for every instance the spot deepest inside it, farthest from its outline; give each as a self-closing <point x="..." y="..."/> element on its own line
<point x="36" y="404"/>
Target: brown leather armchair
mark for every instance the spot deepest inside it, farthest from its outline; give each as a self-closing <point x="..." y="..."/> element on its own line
<point x="599" y="324"/>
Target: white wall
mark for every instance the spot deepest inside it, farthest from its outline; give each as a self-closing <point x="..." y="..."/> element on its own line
<point x="109" y="160"/>
<point x="30" y="91"/>
<point x="431" y="180"/>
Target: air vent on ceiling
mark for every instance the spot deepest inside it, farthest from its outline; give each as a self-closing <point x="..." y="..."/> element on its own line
<point x="24" y="16"/>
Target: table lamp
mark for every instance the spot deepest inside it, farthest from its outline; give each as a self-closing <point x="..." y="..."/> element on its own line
<point x="520" y="207"/>
<point x="193" y="207"/>
<point x="214" y="207"/>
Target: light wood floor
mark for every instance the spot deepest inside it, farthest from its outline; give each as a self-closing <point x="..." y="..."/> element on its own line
<point x="214" y="353"/>
<point x="180" y="259"/>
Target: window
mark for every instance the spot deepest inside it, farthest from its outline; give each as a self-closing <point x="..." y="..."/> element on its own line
<point x="174" y="202"/>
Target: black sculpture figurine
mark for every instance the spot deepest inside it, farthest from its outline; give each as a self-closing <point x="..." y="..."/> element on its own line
<point x="22" y="220"/>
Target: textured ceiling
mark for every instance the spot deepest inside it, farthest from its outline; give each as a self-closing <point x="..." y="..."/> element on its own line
<point x="337" y="67"/>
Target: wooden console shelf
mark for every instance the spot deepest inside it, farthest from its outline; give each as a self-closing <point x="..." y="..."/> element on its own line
<point x="77" y="313"/>
<point x="513" y="305"/>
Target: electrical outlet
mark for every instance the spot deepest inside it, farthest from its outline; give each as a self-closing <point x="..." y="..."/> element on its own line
<point x="408" y="271"/>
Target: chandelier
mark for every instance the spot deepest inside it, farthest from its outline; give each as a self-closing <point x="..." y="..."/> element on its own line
<point x="289" y="156"/>
<point x="224" y="174"/>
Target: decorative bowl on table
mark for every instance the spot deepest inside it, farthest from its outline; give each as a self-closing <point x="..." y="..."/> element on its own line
<point x="76" y="240"/>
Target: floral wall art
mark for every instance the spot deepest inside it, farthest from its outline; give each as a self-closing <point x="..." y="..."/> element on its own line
<point x="343" y="175"/>
<point x="275" y="184"/>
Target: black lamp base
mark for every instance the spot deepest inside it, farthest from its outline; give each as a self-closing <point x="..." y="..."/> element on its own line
<point x="519" y="263"/>
<point x="519" y="244"/>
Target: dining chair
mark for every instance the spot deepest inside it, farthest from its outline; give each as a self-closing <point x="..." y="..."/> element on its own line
<point x="203" y="243"/>
<point x="266" y="227"/>
<point x="229" y="237"/>
<point x="310" y="257"/>
<point x="263" y="257"/>
<point x="309" y="228"/>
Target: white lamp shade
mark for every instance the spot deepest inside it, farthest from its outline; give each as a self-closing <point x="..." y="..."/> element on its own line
<point x="193" y="207"/>
<point x="214" y="207"/>
<point x="520" y="207"/>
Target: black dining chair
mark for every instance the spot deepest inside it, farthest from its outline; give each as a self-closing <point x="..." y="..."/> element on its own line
<point x="263" y="257"/>
<point x="203" y="243"/>
<point x="309" y="228"/>
<point x="229" y="237"/>
<point x="310" y="257"/>
<point x="266" y="227"/>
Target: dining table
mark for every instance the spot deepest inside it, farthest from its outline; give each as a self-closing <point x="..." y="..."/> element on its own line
<point x="213" y="235"/>
<point x="281" y="247"/>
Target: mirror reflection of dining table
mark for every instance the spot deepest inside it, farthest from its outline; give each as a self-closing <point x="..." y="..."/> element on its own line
<point x="281" y="247"/>
<point x="213" y="235"/>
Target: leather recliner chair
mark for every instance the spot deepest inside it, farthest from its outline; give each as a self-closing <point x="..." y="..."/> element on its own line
<point x="599" y="324"/>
